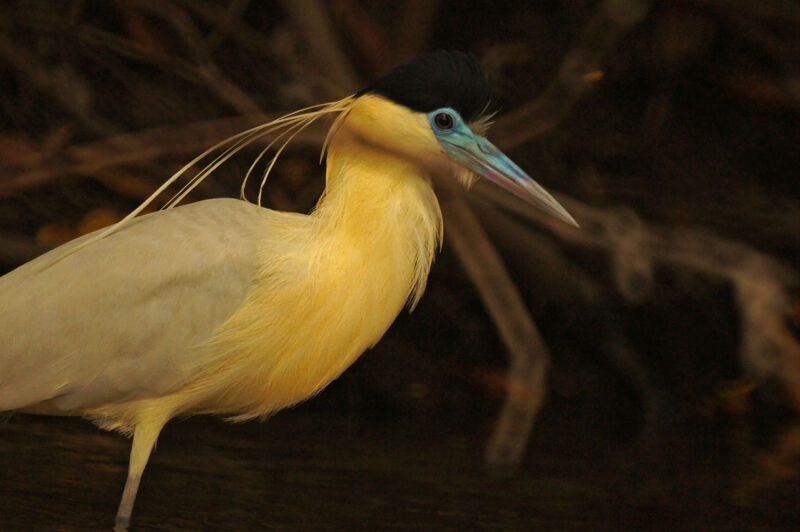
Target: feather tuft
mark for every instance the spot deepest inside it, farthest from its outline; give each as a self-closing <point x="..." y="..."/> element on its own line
<point x="291" y="124"/>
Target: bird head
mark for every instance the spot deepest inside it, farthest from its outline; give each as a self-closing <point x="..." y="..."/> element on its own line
<point x="434" y="111"/>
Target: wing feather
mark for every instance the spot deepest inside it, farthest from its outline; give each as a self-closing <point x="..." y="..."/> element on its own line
<point x="122" y="317"/>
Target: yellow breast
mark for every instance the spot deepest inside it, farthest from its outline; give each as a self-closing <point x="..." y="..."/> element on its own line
<point x="329" y="291"/>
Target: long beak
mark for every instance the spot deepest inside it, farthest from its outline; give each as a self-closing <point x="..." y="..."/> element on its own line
<point x="485" y="159"/>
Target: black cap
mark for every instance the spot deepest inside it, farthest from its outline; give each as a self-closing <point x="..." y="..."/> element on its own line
<point x="435" y="80"/>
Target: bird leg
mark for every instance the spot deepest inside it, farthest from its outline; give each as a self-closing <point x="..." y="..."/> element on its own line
<point x="144" y="438"/>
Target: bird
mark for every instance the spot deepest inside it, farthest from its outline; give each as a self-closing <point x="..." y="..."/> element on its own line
<point x="226" y="307"/>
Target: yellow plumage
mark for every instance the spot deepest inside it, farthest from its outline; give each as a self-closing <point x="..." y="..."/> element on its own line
<point x="330" y="284"/>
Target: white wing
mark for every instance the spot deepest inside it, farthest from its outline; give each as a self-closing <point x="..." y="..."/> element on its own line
<point x="119" y="319"/>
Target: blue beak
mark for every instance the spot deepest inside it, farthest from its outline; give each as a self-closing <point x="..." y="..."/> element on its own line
<point x="485" y="159"/>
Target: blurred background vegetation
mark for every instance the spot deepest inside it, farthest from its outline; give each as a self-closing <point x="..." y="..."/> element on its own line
<point x="657" y="342"/>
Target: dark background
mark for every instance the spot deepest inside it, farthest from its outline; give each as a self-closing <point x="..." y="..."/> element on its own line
<point x="670" y="362"/>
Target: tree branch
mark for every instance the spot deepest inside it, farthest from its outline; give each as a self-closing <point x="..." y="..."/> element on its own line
<point x="529" y="357"/>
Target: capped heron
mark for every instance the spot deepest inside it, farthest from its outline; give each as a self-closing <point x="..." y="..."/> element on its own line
<point x="225" y="307"/>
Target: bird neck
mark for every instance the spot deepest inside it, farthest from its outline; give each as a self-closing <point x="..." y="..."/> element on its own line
<point x="383" y="205"/>
<point x="330" y="286"/>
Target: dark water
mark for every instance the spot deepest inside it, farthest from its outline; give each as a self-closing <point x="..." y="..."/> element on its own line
<point x="310" y="469"/>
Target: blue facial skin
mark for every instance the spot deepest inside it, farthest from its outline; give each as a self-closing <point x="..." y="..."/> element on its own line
<point x="485" y="159"/>
<point x="475" y="152"/>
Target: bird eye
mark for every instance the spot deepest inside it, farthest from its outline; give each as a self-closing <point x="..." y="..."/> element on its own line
<point x="443" y="121"/>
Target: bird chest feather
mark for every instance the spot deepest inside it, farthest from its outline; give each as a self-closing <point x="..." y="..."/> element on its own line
<point x="329" y="289"/>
